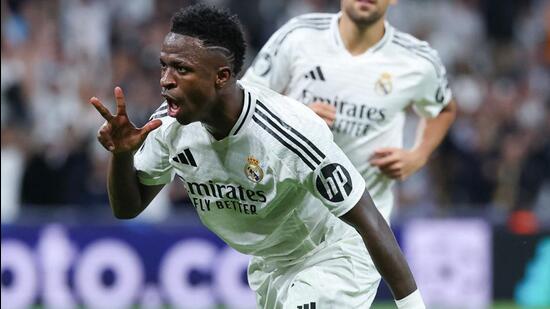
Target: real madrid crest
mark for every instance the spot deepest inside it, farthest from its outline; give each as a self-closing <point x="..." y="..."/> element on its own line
<point x="252" y="169"/>
<point x="384" y="84"/>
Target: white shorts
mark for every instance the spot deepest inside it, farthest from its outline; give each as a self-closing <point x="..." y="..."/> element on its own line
<point x="339" y="275"/>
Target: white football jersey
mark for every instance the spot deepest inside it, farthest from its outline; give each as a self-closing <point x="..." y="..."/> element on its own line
<point x="307" y="60"/>
<point x="273" y="188"/>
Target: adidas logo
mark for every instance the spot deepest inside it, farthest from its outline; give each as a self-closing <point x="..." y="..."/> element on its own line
<point x="185" y="157"/>
<point x="307" y="306"/>
<point x="315" y="74"/>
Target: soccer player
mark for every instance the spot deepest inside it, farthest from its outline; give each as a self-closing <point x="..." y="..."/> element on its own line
<point x="262" y="171"/>
<point x="360" y="75"/>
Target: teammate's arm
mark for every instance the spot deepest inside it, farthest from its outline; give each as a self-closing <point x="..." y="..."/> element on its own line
<point x="127" y="196"/>
<point x="398" y="163"/>
<point x="384" y="250"/>
<point x="431" y="131"/>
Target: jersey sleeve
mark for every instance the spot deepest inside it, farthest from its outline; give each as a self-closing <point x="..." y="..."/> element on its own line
<point x="151" y="161"/>
<point x="433" y="92"/>
<point x="272" y="66"/>
<point x="330" y="176"/>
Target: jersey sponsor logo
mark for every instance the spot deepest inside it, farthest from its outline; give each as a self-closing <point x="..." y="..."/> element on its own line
<point x="185" y="157"/>
<point x="252" y="170"/>
<point x="352" y="118"/>
<point x="212" y="196"/>
<point x="311" y="305"/>
<point x="334" y="182"/>
<point x="315" y="74"/>
<point x="384" y="85"/>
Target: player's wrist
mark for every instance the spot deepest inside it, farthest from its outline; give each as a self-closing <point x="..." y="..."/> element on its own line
<point x="412" y="301"/>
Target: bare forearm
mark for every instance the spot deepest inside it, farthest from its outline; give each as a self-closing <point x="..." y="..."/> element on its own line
<point x="383" y="248"/>
<point x="432" y="131"/>
<point x="123" y="186"/>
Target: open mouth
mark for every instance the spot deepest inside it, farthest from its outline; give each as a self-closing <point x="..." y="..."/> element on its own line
<point x="173" y="106"/>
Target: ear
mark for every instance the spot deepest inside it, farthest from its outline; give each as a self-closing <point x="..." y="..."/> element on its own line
<point x="223" y="76"/>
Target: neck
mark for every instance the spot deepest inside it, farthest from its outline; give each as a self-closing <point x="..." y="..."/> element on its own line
<point x="227" y="111"/>
<point x="359" y="38"/>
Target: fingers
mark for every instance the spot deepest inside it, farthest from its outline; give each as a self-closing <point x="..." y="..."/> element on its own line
<point x="150" y="126"/>
<point x="385" y="150"/>
<point x="385" y="160"/>
<point x="120" y="104"/>
<point x="104" y="136"/>
<point x="325" y="111"/>
<point x="394" y="171"/>
<point x="105" y="113"/>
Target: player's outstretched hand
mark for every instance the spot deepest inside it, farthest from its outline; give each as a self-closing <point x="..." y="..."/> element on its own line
<point x="118" y="134"/>
<point x="397" y="163"/>
<point x="325" y="111"/>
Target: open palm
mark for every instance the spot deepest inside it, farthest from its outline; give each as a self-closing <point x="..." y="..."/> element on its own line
<point x="118" y="134"/>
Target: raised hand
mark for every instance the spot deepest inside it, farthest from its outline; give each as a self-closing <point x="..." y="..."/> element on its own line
<point x="118" y="134"/>
<point x="325" y="111"/>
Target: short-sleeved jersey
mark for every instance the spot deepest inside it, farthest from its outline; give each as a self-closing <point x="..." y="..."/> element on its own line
<point x="273" y="188"/>
<point x="307" y="60"/>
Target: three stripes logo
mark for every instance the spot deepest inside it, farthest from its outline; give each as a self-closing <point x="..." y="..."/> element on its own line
<point x="185" y="157"/>
<point x="311" y="305"/>
<point x="288" y="136"/>
<point x="162" y="111"/>
<point x="316" y="74"/>
<point x="334" y="182"/>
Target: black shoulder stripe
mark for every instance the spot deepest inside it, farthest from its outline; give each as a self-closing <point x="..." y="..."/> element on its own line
<point x="162" y="107"/>
<point x="282" y="141"/>
<point x="298" y="134"/>
<point x="288" y="136"/>
<point x="158" y="115"/>
<point x="436" y="64"/>
<point x="245" y="115"/>
<point x="160" y="111"/>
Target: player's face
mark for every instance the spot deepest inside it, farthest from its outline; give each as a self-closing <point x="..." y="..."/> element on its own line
<point x="188" y="75"/>
<point x="365" y="12"/>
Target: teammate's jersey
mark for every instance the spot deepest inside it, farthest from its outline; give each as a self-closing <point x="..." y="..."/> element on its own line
<point x="272" y="188"/>
<point x="307" y="60"/>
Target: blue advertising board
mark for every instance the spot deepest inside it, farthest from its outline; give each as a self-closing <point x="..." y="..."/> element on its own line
<point x="120" y="266"/>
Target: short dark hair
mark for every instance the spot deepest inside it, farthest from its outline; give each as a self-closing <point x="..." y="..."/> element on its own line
<point x="215" y="27"/>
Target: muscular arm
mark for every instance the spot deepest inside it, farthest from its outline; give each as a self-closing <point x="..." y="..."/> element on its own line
<point x="382" y="246"/>
<point x="127" y="196"/>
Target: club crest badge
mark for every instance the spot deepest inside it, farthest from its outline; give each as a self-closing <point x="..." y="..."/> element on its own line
<point x="252" y="170"/>
<point x="384" y="84"/>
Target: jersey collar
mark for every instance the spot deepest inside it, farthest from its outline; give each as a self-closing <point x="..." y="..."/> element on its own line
<point x="337" y="39"/>
<point x="249" y="105"/>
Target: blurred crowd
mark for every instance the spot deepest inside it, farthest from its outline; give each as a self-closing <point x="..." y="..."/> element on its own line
<point x="56" y="54"/>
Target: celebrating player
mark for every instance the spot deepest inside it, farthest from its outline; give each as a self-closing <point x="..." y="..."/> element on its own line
<point x="261" y="170"/>
<point x="360" y="74"/>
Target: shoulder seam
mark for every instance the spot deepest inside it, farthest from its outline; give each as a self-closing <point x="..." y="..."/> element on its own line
<point x="314" y="25"/>
<point x="422" y="51"/>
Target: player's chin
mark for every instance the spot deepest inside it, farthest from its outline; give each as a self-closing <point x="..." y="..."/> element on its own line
<point x="182" y="120"/>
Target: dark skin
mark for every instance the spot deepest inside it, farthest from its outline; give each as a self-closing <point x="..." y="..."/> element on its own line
<point x="199" y="85"/>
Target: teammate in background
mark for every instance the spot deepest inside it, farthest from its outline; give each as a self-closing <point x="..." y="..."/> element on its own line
<point x="261" y="170"/>
<point x="360" y="75"/>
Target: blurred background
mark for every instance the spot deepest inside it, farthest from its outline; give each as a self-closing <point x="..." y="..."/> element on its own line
<point x="474" y="223"/>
